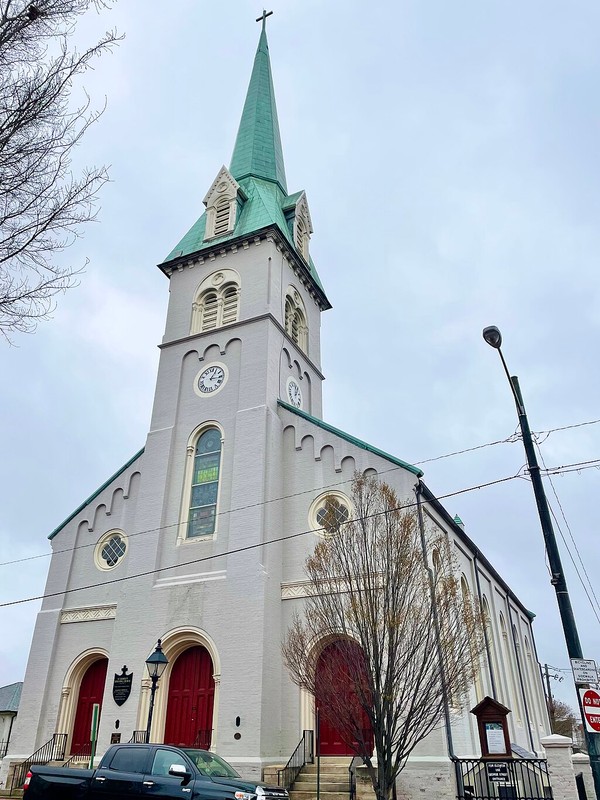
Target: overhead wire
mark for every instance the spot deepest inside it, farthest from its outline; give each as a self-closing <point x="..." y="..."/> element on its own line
<point x="514" y="437"/>
<point x="236" y="550"/>
<point x="596" y="607"/>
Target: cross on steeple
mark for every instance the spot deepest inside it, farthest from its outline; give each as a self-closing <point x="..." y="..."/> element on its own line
<point x="263" y="18"/>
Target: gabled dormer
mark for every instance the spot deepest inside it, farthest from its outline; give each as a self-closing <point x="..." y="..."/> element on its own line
<point x="222" y="202"/>
<point x="297" y="214"/>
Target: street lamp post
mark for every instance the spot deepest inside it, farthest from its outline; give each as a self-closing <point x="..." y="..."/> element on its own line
<point x="494" y="338"/>
<point x="156" y="664"/>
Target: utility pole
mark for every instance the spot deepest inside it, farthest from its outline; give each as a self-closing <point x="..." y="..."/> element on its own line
<point x="549" y="698"/>
<point x="493" y="337"/>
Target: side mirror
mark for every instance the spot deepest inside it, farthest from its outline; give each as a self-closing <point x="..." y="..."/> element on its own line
<point x="180" y="771"/>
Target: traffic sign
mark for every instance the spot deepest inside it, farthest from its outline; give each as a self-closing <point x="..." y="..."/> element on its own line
<point x="590" y="702"/>
<point x="584" y="670"/>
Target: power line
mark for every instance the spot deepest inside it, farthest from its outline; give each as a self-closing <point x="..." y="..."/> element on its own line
<point x="583" y="567"/>
<point x="238" y="549"/>
<point x="556" y="470"/>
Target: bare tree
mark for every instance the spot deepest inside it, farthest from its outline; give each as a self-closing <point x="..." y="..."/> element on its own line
<point x="42" y="205"/>
<point x="564" y="719"/>
<point x="400" y="638"/>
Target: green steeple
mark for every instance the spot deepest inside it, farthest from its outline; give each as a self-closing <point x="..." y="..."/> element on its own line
<point x="257" y="167"/>
<point x="258" y="150"/>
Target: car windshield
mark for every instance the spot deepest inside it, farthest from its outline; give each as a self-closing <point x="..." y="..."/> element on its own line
<point x="210" y="764"/>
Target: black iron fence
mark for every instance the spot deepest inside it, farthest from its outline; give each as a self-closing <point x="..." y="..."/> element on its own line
<point x="493" y="779"/>
<point x="83" y="754"/>
<point x="303" y="754"/>
<point x="53" y="750"/>
<point x="203" y="740"/>
<point x="138" y="737"/>
<point x="3" y="749"/>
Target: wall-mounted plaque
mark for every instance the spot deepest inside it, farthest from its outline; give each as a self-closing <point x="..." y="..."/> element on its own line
<point x="115" y="738"/>
<point x="122" y="686"/>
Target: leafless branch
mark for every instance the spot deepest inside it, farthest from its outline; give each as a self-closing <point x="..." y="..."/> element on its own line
<point x="42" y="204"/>
<point x="399" y="637"/>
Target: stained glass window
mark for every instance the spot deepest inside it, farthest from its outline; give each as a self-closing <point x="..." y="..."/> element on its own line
<point x="205" y="484"/>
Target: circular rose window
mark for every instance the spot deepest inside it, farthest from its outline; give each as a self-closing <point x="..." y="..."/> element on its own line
<point x="328" y="512"/>
<point x="110" y="550"/>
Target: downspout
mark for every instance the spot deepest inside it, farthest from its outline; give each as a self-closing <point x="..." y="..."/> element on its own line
<point x="485" y="630"/>
<point x="12" y="719"/>
<point x="522" y="685"/>
<point x="451" y="753"/>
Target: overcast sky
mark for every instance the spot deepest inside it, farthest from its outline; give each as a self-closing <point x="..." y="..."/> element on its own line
<point x="450" y="156"/>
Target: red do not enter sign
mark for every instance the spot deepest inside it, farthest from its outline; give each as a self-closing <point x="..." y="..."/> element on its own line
<point x="590" y="700"/>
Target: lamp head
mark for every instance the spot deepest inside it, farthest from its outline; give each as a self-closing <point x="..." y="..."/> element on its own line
<point x="157" y="662"/>
<point x="492" y="336"/>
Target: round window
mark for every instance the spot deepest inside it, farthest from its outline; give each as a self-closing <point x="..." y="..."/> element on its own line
<point x="328" y="512"/>
<point x="110" y="550"/>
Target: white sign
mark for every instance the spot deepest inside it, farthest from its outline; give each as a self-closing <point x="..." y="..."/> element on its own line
<point x="494" y="734"/>
<point x="584" y="670"/>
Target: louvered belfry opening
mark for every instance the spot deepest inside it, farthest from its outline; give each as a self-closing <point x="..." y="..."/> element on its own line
<point x="222" y="215"/>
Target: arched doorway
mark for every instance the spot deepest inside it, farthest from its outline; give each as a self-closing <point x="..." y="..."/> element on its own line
<point x="91" y="691"/>
<point x="334" y="693"/>
<point x="190" y="700"/>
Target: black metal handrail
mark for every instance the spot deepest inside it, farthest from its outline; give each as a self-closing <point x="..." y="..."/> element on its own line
<point x="352" y="778"/>
<point x="3" y="749"/>
<point x="493" y="778"/>
<point x="203" y="740"/>
<point x="52" y="750"/>
<point x="138" y="737"/>
<point x="84" y="754"/>
<point x="302" y="755"/>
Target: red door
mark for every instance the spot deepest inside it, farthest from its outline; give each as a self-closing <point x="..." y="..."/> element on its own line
<point x="191" y="698"/>
<point x="335" y="737"/>
<point x="90" y="692"/>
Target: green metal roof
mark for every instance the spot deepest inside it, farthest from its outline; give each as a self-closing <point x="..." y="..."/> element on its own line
<point x="95" y="494"/>
<point x="257" y="165"/>
<point x="10" y="696"/>
<point x="258" y="150"/>
<point x="263" y="207"/>
<point x="352" y="439"/>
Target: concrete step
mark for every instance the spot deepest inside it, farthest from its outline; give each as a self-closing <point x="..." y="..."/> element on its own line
<point x="311" y="795"/>
<point x="326" y="777"/>
<point x="325" y="786"/>
<point x="328" y="769"/>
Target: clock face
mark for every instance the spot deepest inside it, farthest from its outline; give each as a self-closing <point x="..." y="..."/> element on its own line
<point x="294" y="393"/>
<point x="211" y="379"/>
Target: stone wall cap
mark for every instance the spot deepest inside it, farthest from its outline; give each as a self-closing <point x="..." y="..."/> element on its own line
<point x="581" y="758"/>
<point x="556" y="740"/>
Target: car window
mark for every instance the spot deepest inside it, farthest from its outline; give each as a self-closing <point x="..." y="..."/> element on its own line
<point x="163" y="760"/>
<point x="211" y="764"/>
<point x="129" y="759"/>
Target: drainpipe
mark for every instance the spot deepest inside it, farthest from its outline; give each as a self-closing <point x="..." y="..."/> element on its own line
<point x="485" y="630"/>
<point x="451" y="753"/>
<point x="522" y="685"/>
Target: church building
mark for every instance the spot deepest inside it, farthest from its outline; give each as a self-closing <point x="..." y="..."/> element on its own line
<point x="196" y="540"/>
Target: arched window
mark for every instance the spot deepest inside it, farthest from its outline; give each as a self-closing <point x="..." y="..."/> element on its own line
<point x="295" y="319"/>
<point x="209" y="310"/>
<point x="218" y="303"/>
<point x="205" y="484"/>
<point x="466" y="595"/>
<point x="302" y="237"/>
